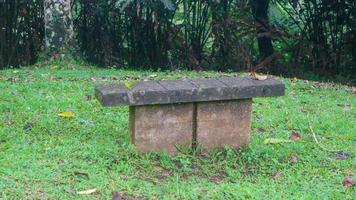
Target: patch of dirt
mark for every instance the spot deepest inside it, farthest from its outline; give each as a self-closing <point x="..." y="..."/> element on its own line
<point x="218" y="178"/>
<point x="123" y="196"/>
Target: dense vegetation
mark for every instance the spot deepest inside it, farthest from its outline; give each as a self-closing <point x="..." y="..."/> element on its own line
<point x="279" y="36"/>
<point x="21" y="31"/>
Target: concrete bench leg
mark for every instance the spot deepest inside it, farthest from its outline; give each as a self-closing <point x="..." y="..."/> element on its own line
<point x="224" y="123"/>
<point x="161" y="127"/>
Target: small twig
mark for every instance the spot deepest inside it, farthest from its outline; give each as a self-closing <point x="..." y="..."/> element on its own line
<point x="316" y="139"/>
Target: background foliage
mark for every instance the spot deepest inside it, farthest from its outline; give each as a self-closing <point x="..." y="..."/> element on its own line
<point x="305" y="35"/>
<point x="21" y="31"/>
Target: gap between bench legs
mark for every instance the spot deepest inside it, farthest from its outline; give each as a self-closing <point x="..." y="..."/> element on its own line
<point x="194" y="126"/>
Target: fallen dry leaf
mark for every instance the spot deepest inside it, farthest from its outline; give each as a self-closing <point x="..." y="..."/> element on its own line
<point x="352" y="90"/>
<point x="157" y="167"/>
<point x="87" y="192"/>
<point x="293" y="159"/>
<point x="87" y="97"/>
<point x="258" y="77"/>
<point x="347" y="107"/>
<point x="306" y="110"/>
<point x="341" y="155"/>
<point x="261" y="130"/>
<point x="295" y="136"/>
<point x="66" y="114"/>
<point x="349" y="182"/>
<point x="275" y="141"/>
<point x="178" y="164"/>
<point x="277" y="175"/>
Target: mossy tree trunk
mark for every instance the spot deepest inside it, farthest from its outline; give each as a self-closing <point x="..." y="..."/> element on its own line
<point x="58" y="25"/>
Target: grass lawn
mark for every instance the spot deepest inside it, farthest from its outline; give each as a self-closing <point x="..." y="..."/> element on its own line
<point x="45" y="156"/>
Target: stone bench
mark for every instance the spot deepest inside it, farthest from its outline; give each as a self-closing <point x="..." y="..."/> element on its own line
<point x="165" y="115"/>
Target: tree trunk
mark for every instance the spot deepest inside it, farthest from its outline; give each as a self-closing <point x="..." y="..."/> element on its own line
<point x="260" y="12"/>
<point x="58" y="25"/>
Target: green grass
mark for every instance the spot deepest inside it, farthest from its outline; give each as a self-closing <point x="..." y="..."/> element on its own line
<point x="44" y="156"/>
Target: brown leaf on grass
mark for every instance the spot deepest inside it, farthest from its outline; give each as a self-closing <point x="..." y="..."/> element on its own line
<point x="217" y="178"/>
<point x="157" y="167"/>
<point x="87" y="97"/>
<point x="293" y="159"/>
<point x="258" y="77"/>
<point x="306" y="110"/>
<point x="87" y="192"/>
<point x="178" y="164"/>
<point x="295" y="136"/>
<point x="341" y="155"/>
<point x="347" y="107"/>
<point x="349" y="182"/>
<point x="277" y="175"/>
<point x="261" y="130"/>
<point x="352" y="90"/>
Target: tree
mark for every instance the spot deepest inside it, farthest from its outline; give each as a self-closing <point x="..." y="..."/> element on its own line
<point x="58" y="25"/>
<point x="260" y="12"/>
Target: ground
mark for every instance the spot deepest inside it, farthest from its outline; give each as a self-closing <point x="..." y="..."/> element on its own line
<point x="46" y="156"/>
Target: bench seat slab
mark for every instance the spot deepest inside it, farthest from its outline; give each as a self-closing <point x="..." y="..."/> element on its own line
<point x="188" y="91"/>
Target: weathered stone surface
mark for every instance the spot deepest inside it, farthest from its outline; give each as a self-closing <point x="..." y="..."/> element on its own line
<point x="161" y="127"/>
<point x="112" y="95"/>
<point x="201" y="90"/>
<point x="179" y="91"/>
<point x="210" y="90"/>
<point x="246" y="87"/>
<point x="147" y="92"/>
<point x="224" y="123"/>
